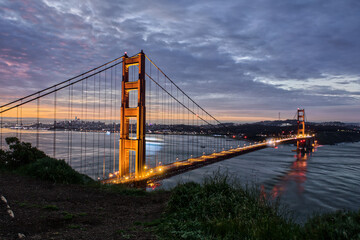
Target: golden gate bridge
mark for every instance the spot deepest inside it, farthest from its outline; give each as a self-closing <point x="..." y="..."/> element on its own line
<point x="127" y="121"/>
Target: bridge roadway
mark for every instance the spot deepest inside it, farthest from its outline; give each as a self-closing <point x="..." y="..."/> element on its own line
<point x="166" y="171"/>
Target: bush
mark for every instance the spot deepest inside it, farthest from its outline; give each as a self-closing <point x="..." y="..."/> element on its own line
<point x="54" y="170"/>
<point x="25" y="159"/>
<point x="19" y="154"/>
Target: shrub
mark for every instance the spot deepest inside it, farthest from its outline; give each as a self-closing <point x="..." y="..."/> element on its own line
<point x="54" y="170"/>
<point x="19" y="154"/>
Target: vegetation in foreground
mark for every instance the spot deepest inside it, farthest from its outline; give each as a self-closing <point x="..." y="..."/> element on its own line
<point x="220" y="209"/>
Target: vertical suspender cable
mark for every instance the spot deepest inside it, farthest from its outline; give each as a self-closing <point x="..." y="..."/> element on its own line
<point x="71" y="122"/>
<point x="94" y="127"/>
<point x="104" y="128"/>
<point x="37" y="122"/>
<point x="114" y="124"/>
<point x="68" y="127"/>
<point x="189" y="131"/>
<point x="98" y="132"/>
<point x="17" y="122"/>
<point x="163" y="122"/>
<point x="157" y="116"/>
<point x="148" y="113"/>
<point x="21" y="122"/>
<point x="54" y="140"/>
<point x="111" y="126"/>
<point x="82" y="127"/>
<point x="86" y="130"/>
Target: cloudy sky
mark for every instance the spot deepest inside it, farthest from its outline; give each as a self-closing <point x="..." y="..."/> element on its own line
<point x="241" y="60"/>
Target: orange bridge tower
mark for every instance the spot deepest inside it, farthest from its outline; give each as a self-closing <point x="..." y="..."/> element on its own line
<point x="305" y="143"/>
<point x="130" y="143"/>
<point x="301" y="122"/>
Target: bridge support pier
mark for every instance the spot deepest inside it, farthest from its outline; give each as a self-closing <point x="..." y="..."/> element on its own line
<point x="129" y="143"/>
<point x="305" y="145"/>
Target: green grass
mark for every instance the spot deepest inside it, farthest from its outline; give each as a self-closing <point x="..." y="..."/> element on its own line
<point x="74" y="226"/>
<point x="68" y="216"/>
<point x="51" y="207"/>
<point x="337" y="225"/>
<point x="221" y="209"/>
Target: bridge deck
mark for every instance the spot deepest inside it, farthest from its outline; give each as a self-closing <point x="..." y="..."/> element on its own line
<point x="179" y="167"/>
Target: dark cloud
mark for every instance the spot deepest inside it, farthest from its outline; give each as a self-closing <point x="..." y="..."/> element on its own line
<point x="258" y="57"/>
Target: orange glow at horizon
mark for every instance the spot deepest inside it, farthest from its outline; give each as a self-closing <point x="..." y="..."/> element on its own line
<point x="62" y="112"/>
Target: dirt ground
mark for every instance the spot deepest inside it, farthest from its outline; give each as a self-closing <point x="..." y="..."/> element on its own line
<point x="43" y="210"/>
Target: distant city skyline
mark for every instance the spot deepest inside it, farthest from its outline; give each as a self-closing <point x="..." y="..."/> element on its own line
<point x="242" y="61"/>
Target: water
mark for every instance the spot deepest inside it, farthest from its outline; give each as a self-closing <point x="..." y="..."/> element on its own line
<point x="96" y="154"/>
<point x="323" y="181"/>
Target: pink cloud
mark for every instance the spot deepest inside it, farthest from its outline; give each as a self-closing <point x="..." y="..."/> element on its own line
<point x="13" y="69"/>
